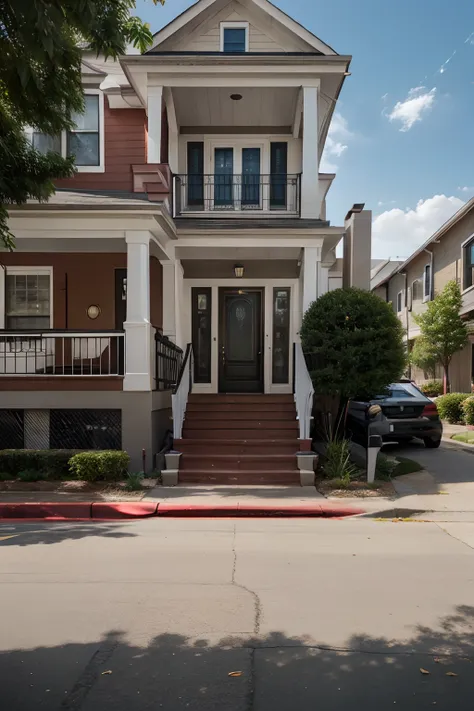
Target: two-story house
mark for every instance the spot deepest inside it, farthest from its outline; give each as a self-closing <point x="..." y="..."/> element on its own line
<point x="186" y="249"/>
<point x="447" y="255"/>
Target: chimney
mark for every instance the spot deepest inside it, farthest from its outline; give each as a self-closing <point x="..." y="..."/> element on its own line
<point x="357" y="247"/>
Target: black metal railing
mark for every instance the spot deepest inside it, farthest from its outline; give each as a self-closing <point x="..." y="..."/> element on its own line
<point x="243" y="193"/>
<point x="62" y="353"/>
<point x="168" y="362"/>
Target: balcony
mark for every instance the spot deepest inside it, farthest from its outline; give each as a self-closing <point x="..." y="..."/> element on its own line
<point x="62" y="353"/>
<point x="269" y="195"/>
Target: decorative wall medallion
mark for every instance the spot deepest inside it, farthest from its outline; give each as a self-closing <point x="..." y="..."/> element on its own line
<point x="93" y="311"/>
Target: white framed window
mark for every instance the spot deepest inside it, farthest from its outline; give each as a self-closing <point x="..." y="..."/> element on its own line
<point x="427" y="283"/>
<point x="85" y="141"/>
<point x="234" y="37"/>
<point x="409" y="298"/>
<point x="399" y="301"/>
<point x="28" y="298"/>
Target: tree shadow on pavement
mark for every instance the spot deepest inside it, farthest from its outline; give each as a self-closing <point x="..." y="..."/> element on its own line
<point x="36" y="534"/>
<point x="433" y="668"/>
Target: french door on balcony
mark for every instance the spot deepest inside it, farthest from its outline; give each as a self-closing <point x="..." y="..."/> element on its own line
<point x="237" y="177"/>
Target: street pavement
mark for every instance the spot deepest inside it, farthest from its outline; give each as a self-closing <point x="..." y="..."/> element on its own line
<point x="237" y="615"/>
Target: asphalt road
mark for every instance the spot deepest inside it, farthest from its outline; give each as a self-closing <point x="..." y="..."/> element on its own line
<point x="244" y="615"/>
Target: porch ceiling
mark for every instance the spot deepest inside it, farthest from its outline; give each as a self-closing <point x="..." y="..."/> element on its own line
<point x="259" y="106"/>
<point x="254" y="269"/>
<point x="239" y="254"/>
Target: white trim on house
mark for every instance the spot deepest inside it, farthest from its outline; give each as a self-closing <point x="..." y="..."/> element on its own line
<point x="236" y="26"/>
<point x="399" y="302"/>
<point x="464" y="244"/>
<point x="40" y="271"/>
<point x="268" y="285"/>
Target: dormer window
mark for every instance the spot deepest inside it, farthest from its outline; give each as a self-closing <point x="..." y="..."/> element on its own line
<point x="234" y="37"/>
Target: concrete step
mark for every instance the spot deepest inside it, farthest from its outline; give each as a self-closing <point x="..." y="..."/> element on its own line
<point x="237" y="462"/>
<point x="197" y="476"/>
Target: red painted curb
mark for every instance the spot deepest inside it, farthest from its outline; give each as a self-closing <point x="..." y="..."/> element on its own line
<point x="138" y="509"/>
<point x="42" y="510"/>
<point x="255" y="510"/>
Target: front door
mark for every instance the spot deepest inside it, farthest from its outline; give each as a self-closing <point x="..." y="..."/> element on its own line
<point x="250" y="178"/>
<point x="240" y="341"/>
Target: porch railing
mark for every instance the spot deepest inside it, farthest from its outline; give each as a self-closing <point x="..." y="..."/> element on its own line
<point x="62" y="353"/>
<point x="271" y="194"/>
<point x="303" y="390"/>
<point x="168" y="362"/>
<point x="179" y="399"/>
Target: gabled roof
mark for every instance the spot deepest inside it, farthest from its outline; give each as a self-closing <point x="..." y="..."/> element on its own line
<point x="273" y="12"/>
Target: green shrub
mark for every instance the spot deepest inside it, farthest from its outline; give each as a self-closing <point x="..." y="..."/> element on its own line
<point x="53" y="461"/>
<point x="337" y="464"/>
<point x="450" y="407"/>
<point x="384" y="468"/>
<point x="468" y="410"/>
<point x="106" y="465"/>
<point x="432" y="388"/>
<point x="32" y="475"/>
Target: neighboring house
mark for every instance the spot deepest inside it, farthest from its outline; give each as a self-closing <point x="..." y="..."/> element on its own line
<point x="197" y="216"/>
<point x="447" y="255"/>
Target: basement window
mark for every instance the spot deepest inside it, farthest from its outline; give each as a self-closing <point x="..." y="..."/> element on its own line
<point x="234" y="37"/>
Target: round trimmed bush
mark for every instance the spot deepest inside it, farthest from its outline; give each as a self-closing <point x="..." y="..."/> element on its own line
<point x="106" y="465"/>
<point x="468" y="410"/>
<point x="450" y="407"/>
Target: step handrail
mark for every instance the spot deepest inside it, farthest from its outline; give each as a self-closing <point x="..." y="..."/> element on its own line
<point x="303" y="391"/>
<point x="179" y="398"/>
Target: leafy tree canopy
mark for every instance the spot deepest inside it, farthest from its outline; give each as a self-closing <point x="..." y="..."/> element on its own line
<point x="353" y="344"/>
<point x="422" y="356"/>
<point x="442" y="328"/>
<point x="41" y="45"/>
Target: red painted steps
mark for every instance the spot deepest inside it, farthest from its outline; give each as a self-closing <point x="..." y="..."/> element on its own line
<point x="236" y="446"/>
<point x="239" y="439"/>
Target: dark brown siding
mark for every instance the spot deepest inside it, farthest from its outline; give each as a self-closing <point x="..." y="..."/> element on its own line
<point x="80" y="280"/>
<point x="124" y="146"/>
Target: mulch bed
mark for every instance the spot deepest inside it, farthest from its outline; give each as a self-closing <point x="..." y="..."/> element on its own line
<point x="356" y="489"/>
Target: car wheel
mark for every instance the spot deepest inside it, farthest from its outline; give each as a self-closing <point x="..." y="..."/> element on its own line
<point x="431" y="443"/>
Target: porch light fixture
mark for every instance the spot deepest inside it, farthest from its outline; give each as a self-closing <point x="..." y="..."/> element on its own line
<point x="238" y="271"/>
<point x="93" y="311"/>
<point x="236" y="97"/>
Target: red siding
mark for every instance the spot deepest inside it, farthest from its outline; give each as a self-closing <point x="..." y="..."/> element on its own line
<point x="124" y="146"/>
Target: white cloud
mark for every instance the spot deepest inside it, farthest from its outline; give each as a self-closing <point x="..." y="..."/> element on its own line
<point x="384" y="97"/>
<point x="470" y="39"/>
<point x="418" y="102"/>
<point x="399" y="231"/>
<point x="381" y="203"/>
<point x="336" y="144"/>
<point x="466" y="189"/>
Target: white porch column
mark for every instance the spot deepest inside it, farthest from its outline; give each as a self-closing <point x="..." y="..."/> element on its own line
<point x="310" y="276"/>
<point x="138" y="330"/>
<point x="323" y="279"/>
<point x="310" y="206"/>
<point x="155" y="111"/>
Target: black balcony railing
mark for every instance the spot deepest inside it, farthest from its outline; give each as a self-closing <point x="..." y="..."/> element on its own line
<point x="168" y="362"/>
<point x="242" y="193"/>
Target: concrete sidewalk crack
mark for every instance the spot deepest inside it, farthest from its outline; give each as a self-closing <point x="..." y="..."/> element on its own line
<point x="455" y="538"/>
<point x="256" y="599"/>
<point x="89" y="676"/>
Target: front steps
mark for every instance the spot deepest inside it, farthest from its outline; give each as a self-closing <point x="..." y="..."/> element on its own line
<point x="239" y="439"/>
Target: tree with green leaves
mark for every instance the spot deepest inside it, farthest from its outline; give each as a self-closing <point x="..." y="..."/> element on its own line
<point x="443" y="331"/>
<point x="422" y="356"/>
<point x="353" y="344"/>
<point x="41" y="45"/>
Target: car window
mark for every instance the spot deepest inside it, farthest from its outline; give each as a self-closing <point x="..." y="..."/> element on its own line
<point x="399" y="391"/>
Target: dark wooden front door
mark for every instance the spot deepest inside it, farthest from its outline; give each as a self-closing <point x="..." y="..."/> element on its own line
<point x="240" y="341"/>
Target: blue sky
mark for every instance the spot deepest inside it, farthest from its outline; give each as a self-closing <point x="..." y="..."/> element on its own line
<point x="403" y="138"/>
